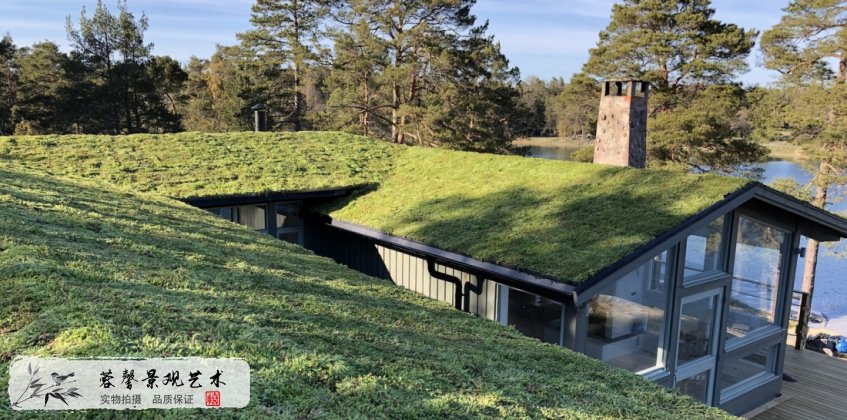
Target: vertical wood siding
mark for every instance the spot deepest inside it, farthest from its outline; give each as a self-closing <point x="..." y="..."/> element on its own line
<point x="402" y="269"/>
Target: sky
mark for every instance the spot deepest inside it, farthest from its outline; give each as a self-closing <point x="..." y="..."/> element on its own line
<point x="544" y="38"/>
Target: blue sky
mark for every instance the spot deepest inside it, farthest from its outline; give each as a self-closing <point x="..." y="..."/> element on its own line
<point x="545" y="38"/>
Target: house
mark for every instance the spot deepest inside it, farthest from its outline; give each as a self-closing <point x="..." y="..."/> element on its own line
<point x="684" y="279"/>
<point x="90" y="269"/>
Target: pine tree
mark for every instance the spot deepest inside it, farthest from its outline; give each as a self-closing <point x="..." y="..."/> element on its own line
<point x="217" y="93"/>
<point x="42" y="95"/>
<point x="8" y="83"/>
<point x="287" y="33"/>
<point x="116" y="90"/>
<point x="358" y="101"/>
<point x="414" y="35"/>
<point x="810" y="34"/>
<point x="680" y="49"/>
<point x="579" y="102"/>
<point x="421" y="72"/>
<point x="671" y="44"/>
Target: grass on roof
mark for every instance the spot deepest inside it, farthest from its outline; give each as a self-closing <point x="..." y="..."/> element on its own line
<point x="564" y="220"/>
<point x="202" y="165"/>
<point x="91" y="270"/>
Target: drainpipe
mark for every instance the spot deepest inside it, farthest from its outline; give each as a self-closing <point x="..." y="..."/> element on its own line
<point x="471" y="288"/>
<point x="462" y="300"/>
<point x="430" y="265"/>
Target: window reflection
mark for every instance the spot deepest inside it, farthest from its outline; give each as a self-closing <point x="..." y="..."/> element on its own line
<point x="534" y="315"/>
<point x="757" y="271"/>
<point x="252" y="216"/>
<point x="289" y="223"/>
<point x="697" y="386"/>
<point x="704" y="250"/>
<point x="626" y="320"/>
<point x="696" y="324"/>
<point x="747" y="367"/>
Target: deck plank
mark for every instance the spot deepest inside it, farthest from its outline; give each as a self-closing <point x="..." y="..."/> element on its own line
<point x="820" y="391"/>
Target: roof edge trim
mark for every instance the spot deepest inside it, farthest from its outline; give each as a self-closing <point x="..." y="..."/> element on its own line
<point x="546" y="287"/>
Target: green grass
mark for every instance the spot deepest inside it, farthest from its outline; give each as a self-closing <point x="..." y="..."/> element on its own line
<point x="92" y="270"/>
<point x="564" y="220"/>
<point x="189" y="165"/>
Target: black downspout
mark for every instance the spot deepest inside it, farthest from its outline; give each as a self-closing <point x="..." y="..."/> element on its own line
<point x="471" y="288"/>
<point x="430" y="265"/>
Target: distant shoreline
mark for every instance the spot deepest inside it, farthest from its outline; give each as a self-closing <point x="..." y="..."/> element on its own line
<point x="562" y="142"/>
<point x="779" y="150"/>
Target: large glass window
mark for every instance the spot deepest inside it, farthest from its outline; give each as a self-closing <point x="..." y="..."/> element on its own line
<point x="533" y="315"/>
<point x="750" y="366"/>
<point x="756" y="278"/>
<point x="626" y="320"/>
<point x="697" y="326"/>
<point x="704" y="251"/>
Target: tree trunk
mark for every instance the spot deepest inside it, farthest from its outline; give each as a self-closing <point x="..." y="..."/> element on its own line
<point x="298" y="106"/>
<point x="298" y="67"/>
<point x="365" y="116"/>
<point x="812" y="249"/>
<point x="396" y="136"/>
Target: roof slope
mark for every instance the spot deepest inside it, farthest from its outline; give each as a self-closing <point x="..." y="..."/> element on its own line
<point x="89" y="270"/>
<point x="189" y="165"/>
<point x="563" y="220"/>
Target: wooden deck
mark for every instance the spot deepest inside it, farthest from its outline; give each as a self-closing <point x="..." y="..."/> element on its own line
<point x="819" y="393"/>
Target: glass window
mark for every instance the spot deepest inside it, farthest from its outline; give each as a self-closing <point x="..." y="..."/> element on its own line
<point x="755" y="364"/>
<point x="626" y="320"/>
<point x="756" y="277"/>
<point x="288" y="215"/>
<point x="534" y="315"/>
<point x="704" y="250"/>
<point x="696" y="327"/>
<point x="252" y="216"/>
<point x="696" y="386"/>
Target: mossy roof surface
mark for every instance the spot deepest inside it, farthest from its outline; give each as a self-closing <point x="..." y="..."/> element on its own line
<point x="564" y="220"/>
<point x="187" y="165"/>
<point x="92" y="270"/>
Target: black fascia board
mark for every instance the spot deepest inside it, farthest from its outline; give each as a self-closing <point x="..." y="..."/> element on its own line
<point x="803" y="209"/>
<point x="551" y="289"/>
<point x="247" y="199"/>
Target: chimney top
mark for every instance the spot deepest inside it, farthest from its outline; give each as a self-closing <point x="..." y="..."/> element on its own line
<point x="622" y="123"/>
<point x="626" y="87"/>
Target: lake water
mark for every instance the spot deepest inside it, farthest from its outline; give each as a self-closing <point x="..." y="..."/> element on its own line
<point x="830" y="291"/>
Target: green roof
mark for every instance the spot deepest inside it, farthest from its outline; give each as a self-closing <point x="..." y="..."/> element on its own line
<point x="190" y="165"/>
<point x="89" y="269"/>
<point x="564" y="220"/>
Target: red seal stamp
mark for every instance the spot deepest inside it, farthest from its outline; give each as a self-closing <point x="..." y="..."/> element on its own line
<point x="213" y="398"/>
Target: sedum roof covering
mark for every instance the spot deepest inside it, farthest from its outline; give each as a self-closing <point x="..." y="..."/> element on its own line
<point x="563" y="220"/>
<point x="92" y="270"/>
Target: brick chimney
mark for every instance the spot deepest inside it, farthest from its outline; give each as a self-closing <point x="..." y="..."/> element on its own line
<point x="622" y="124"/>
